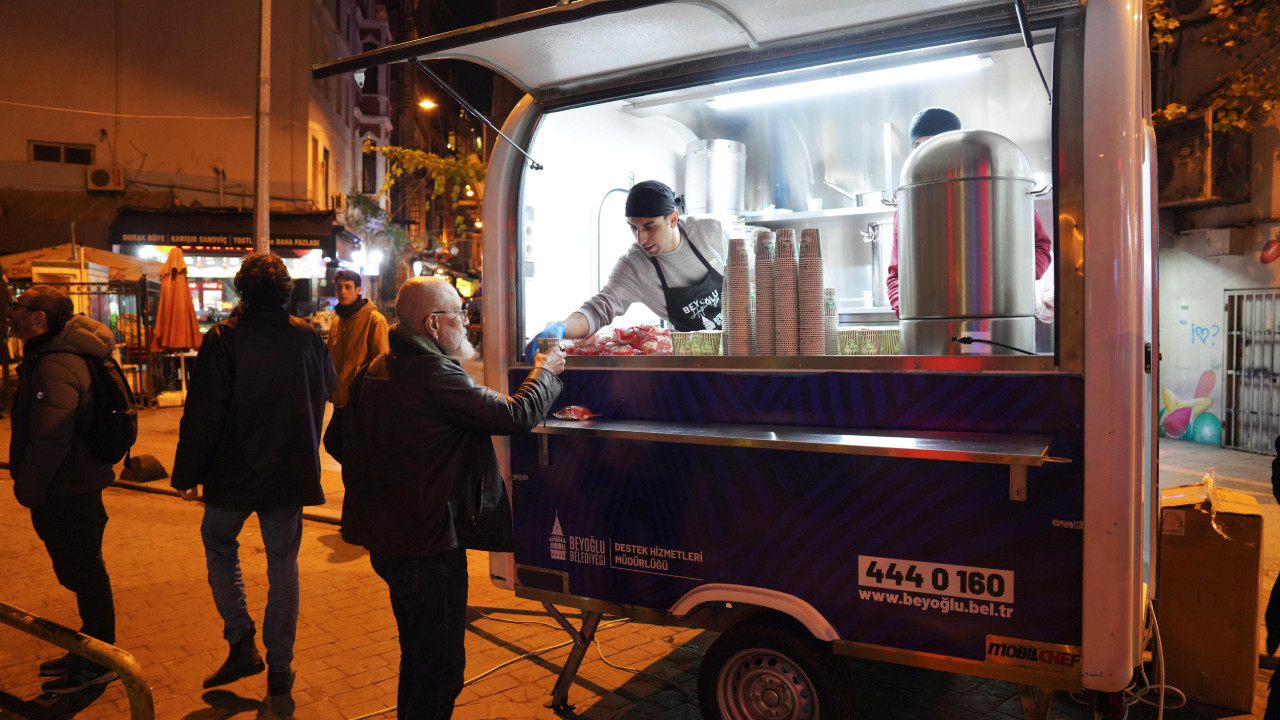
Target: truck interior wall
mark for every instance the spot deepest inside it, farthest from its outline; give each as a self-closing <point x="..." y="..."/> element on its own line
<point x="793" y="146"/>
<point x="587" y="152"/>
<point x="572" y="219"/>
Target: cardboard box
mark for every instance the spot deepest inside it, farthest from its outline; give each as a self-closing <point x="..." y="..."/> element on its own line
<point x="1208" y="593"/>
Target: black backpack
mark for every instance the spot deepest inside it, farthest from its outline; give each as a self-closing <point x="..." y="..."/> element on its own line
<point x="115" y="419"/>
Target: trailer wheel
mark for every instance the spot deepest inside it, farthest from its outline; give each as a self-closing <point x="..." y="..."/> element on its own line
<point x="763" y="672"/>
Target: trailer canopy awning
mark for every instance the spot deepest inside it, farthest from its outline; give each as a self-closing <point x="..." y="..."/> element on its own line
<point x="592" y="43"/>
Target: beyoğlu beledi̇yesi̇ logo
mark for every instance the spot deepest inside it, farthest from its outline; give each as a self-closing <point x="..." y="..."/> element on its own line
<point x="619" y="555"/>
<point x="582" y="550"/>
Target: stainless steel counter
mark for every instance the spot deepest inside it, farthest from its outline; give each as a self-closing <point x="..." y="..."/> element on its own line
<point x="1016" y="451"/>
<point x="817" y="363"/>
<point x="998" y="448"/>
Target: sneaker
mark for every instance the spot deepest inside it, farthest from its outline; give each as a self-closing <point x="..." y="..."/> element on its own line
<point x="280" y="682"/>
<point x="84" y="674"/>
<point x="59" y="666"/>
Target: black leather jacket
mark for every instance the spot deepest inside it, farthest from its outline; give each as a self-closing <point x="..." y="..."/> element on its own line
<point x="417" y="455"/>
<point x="250" y="432"/>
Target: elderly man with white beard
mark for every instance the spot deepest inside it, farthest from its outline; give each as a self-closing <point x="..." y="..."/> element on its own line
<point x="422" y="480"/>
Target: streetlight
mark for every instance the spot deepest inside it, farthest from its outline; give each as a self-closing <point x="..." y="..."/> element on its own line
<point x="427" y="104"/>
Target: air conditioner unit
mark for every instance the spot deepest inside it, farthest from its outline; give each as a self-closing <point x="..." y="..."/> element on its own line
<point x="104" y="179"/>
<point x="1190" y="10"/>
<point x="1198" y="166"/>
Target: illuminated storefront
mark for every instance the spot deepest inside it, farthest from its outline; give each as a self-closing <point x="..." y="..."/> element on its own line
<point x="213" y="241"/>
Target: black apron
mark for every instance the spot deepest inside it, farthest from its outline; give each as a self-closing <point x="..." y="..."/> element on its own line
<point x="696" y="307"/>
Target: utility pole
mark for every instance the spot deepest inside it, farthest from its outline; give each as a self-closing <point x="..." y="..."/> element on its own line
<point x="262" y="167"/>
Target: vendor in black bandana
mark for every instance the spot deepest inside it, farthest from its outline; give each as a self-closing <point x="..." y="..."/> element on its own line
<point x="675" y="268"/>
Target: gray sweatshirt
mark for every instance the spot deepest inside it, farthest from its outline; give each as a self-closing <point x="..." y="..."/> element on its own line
<point x="633" y="278"/>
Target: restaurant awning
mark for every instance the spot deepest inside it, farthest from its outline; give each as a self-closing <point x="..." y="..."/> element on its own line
<point x="120" y="267"/>
<point x="213" y="231"/>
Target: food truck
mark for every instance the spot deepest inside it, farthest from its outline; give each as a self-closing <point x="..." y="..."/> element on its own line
<point x="975" y="497"/>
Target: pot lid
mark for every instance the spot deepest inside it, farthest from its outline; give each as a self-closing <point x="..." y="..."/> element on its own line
<point x="966" y="155"/>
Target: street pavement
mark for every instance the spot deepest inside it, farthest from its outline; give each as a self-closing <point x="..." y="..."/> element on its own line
<point x="347" y="653"/>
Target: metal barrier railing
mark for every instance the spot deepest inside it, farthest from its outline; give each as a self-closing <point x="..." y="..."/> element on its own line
<point x="141" y="706"/>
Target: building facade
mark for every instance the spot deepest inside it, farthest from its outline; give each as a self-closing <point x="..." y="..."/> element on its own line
<point x="107" y="104"/>
<point x="1219" y="197"/>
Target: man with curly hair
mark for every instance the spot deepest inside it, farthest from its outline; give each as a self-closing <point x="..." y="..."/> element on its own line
<point x="250" y="435"/>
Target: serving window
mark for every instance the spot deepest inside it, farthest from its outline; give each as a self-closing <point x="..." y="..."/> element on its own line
<point x="817" y="149"/>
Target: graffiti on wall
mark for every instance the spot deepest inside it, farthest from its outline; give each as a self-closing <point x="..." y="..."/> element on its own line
<point x="1190" y="419"/>
<point x="1205" y="335"/>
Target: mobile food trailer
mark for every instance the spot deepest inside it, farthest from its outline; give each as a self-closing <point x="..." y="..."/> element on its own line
<point x="963" y="509"/>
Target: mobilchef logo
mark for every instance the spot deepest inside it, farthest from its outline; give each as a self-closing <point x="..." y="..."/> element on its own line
<point x="1031" y="654"/>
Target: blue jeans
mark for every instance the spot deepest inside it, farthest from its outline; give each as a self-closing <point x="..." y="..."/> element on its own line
<point x="281" y="534"/>
<point x="429" y="600"/>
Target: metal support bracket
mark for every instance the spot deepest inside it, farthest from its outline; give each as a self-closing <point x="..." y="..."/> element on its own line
<point x="544" y="450"/>
<point x="1024" y="25"/>
<point x="581" y="641"/>
<point x="476" y="113"/>
<point x="1018" y="483"/>
<point x="1036" y="702"/>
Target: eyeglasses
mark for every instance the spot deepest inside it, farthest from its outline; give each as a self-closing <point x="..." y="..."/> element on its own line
<point x="28" y="308"/>
<point x="456" y="313"/>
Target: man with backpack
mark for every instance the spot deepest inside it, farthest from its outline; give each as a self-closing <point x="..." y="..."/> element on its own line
<point x="56" y="473"/>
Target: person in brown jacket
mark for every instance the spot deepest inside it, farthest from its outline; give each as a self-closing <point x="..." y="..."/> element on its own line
<point x="359" y="335"/>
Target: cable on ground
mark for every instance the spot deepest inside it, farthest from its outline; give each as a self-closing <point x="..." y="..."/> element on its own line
<point x="539" y="651"/>
<point x="1141" y="686"/>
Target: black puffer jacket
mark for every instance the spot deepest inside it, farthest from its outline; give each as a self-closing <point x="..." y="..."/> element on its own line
<point x="250" y="432"/>
<point x="53" y="413"/>
<point x="417" y="454"/>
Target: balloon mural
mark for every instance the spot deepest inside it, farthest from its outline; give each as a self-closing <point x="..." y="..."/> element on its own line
<point x="1191" y="419"/>
<point x="1270" y="252"/>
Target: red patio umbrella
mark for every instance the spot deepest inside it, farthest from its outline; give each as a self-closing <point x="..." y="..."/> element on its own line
<point x="176" y="325"/>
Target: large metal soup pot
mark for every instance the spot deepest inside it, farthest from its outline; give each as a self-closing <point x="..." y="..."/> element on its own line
<point x="966" y="229"/>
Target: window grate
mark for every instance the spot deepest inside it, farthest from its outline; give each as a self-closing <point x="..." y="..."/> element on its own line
<point x="1251" y="402"/>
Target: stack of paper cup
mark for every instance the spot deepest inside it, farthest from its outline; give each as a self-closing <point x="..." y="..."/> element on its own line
<point x="813" y="325"/>
<point x="766" y="252"/>
<point x="735" y="299"/>
<point x="832" y="319"/>
<point x="889" y="342"/>
<point x="786" y="318"/>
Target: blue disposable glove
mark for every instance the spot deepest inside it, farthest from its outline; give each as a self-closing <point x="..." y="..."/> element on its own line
<point x="554" y="330"/>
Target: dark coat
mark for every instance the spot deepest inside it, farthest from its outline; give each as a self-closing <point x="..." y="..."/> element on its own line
<point x="250" y="432"/>
<point x="53" y="413"/>
<point x="417" y="453"/>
